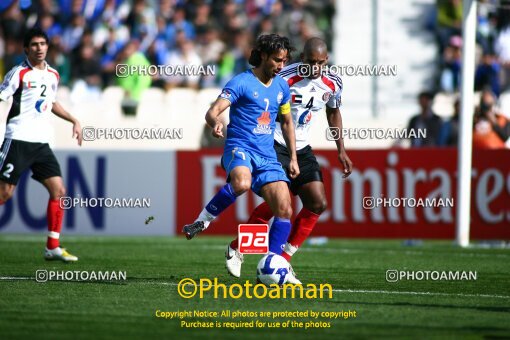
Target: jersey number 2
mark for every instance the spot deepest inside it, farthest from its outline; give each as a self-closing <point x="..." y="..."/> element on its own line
<point x="43" y="93"/>
<point x="8" y="170"/>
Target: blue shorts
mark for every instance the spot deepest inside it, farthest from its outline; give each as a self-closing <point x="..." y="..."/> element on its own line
<point x="263" y="170"/>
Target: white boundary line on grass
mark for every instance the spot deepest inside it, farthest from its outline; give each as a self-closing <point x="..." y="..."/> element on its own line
<point x="355" y="291"/>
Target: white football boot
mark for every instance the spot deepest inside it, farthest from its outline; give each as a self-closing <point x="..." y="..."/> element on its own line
<point x="291" y="277"/>
<point x="59" y="254"/>
<point x="233" y="261"/>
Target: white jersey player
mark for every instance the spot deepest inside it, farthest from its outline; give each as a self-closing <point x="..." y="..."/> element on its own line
<point x="34" y="92"/>
<point x="33" y="87"/>
<point x="309" y="96"/>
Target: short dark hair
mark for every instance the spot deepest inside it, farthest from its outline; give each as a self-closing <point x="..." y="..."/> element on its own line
<point x="314" y="44"/>
<point x="426" y="94"/>
<point x="32" y="33"/>
<point x="269" y="44"/>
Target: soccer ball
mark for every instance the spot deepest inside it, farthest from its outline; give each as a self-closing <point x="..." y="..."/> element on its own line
<point x="272" y="269"/>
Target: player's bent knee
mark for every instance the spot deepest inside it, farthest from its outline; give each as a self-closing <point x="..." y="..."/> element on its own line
<point x="61" y="192"/>
<point x="284" y="211"/>
<point x="240" y="186"/>
<point x="319" y="206"/>
<point x="58" y="192"/>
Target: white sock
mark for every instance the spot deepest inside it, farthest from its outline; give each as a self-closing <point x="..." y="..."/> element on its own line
<point x="205" y="217"/>
<point x="290" y="249"/>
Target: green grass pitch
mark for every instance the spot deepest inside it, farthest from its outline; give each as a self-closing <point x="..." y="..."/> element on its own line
<point x="154" y="265"/>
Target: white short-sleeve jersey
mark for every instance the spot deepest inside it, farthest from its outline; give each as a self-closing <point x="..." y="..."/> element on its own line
<point x="308" y="98"/>
<point x="33" y="92"/>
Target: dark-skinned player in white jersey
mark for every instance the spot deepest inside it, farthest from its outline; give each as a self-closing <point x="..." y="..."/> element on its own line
<point x="312" y="89"/>
<point x="33" y="87"/>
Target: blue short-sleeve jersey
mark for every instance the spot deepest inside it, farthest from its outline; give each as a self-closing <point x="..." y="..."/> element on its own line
<point x="253" y="111"/>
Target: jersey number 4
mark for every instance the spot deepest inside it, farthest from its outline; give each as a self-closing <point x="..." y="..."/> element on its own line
<point x="305" y="117"/>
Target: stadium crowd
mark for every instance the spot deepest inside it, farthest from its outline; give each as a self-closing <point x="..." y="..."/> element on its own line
<point x="89" y="38"/>
<point x="493" y="45"/>
<point x="492" y="76"/>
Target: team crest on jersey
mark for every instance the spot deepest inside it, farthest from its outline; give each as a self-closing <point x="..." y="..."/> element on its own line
<point x="263" y="122"/>
<point x="255" y="94"/>
<point x="279" y="98"/>
<point x="225" y="94"/>
<point x="305" y="117"/>
<point x="41" y="105"/>
<point x="326" y="96"/>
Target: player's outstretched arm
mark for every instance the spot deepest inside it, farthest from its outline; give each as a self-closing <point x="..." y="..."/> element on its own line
<point x="290" y="140"/>
<point x="59" y="111"/>
<point x="335" y="121"/>
<point x="212" y="117"/>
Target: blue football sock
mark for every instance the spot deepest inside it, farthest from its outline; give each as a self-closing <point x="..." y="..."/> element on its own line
<point x="221" y="201"/>
<point x="278" y="235"/>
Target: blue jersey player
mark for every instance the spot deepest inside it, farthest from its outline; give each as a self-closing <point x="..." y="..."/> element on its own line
<point x="255" y="97"/>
